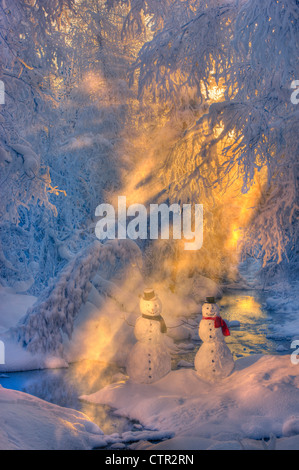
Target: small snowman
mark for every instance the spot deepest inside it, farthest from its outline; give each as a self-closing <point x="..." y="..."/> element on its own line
<point x="149" y="359"/>
<point x="213" y="360"/>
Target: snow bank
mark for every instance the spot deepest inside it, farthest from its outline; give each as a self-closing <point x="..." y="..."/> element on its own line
<point x="13" y="307"/>
<point x="285" y="304"/>
<point x="258" y="400"/>
<point x="19" y="359"/>
<point x="28" y="423"/>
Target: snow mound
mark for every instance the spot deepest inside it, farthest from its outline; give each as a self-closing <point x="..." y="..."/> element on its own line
<point x="13" y="307"/>
<point x="28" y="423"/>
<point x="258" y="400"/>
<point x="291" y="426"/>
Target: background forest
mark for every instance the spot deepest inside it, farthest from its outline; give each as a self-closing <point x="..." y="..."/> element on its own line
<point x="184" y="101"/>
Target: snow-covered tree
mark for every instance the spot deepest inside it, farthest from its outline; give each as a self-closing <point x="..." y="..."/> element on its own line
<point x="31" y="48"/>
<point x="51" y="318"/>
<point x="236" y="61"/>
<point x="65" y="104"/>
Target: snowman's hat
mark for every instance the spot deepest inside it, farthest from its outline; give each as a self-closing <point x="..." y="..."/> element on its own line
<point x="149" y="294"/>
<point x="210" y="300"/>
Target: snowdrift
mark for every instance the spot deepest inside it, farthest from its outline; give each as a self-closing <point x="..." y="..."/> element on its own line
<point x="259" y="400"/>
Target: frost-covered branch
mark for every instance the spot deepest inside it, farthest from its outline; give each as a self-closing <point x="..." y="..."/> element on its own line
<point x="52" y="316"/>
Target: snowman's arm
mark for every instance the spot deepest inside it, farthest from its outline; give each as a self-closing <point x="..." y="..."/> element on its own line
<point x="183" y="322"/>
<point x="126" y="321"/>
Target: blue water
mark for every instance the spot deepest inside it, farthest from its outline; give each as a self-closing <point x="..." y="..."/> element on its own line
<point x="254" y="335"/>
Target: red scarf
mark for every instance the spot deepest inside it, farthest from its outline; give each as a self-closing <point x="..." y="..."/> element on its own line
<point x="219" y="322"/>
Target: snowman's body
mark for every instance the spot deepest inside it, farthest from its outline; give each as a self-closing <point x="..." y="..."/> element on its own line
<point x="149" y="359"/>
<point x="213" y="360"/>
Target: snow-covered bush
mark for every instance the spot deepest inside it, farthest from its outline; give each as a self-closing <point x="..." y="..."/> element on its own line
<point x="52" y="316"/>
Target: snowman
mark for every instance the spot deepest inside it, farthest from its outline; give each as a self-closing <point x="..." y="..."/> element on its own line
<point x="213" y="360"/>
<point x="149" y="359"/>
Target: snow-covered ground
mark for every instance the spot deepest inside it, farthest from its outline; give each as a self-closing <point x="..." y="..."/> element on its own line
<point x="285" y="304"/>
<point x="13" y="307"/>
<point x="28" y="423"/>
<point x="256" y="407"/>
<point x="259" y="400"/>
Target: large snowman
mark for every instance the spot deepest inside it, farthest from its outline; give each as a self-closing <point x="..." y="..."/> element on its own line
<point x="149" y="359"/>
<point x="213" y="360"/>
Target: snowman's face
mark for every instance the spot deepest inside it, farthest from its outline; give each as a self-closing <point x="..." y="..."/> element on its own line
<point x="151" y="307"/>
<point x="210" y="310"/>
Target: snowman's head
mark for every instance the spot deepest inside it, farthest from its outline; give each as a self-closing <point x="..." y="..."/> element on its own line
<point x="210" y="308"/>
<point x="150" y="304"/>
